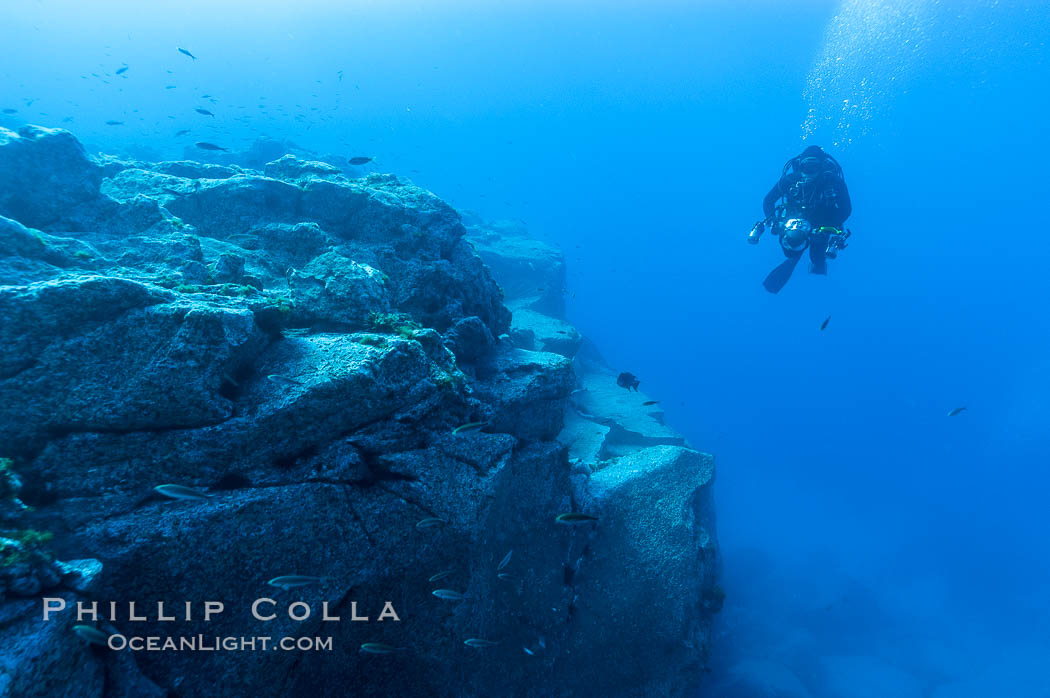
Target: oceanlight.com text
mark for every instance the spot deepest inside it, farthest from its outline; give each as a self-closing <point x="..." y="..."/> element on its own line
<point x="212" y="643"/>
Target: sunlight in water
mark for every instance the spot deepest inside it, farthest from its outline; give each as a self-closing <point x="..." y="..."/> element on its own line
<point x="870" y="48"/>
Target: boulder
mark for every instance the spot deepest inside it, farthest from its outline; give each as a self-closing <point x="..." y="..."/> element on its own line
<point x="530" y="272"/>
<point x="525" y="391"/>
<point x="546" y="333"/>
<point x="335" y="291"/>
<point x="651" y="554"/>
<point x="290" y="167"/>
<point x="46" y="173"/>
<point x="121" y="345"/>
<point x="469" y="339"/>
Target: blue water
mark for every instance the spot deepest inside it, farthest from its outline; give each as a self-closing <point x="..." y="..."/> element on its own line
<point x="856" y="518"/>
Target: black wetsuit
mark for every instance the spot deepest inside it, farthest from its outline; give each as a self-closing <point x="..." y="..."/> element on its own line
<point x="812" y="187"/>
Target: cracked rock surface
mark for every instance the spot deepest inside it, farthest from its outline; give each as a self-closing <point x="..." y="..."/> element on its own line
<point x="298" y="346"/>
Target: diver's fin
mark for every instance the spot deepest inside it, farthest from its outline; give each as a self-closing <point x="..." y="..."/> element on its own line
<point x="779" y="276"/>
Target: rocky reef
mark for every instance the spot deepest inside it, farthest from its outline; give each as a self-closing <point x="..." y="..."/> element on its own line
<point x="298" y="348"/>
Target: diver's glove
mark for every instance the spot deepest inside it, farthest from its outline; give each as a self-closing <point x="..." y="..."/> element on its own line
<point x="756" y="232"/>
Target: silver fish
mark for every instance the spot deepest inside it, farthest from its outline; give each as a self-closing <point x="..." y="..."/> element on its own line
<point x="479" y="643"/>
<point x="92" y="635"/>
<point x="379" y="648"/>
<point x="430" y="523"/>
<point x="181" y="492"/>
<point x="294" y="581"/>
<point x="282" y="380"/>
<point x="448" y="595"/>
<point x="470" y="426"/>
<point x="505" y="561"/>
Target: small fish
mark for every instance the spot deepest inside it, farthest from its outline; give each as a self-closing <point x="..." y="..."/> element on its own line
<point x="187" y="53"/>
<point x="114" y="123"/>
<point x="628" y="381"/>
<point x="528" y="651"/>
<point x="650" y="402"/>
<point x="92" y="635"/>
<point x="173" y="192"/>
<point x="294" y="581"/>
<point x="574" y="517"/>
<point x="448" y="595"/>
<point x="181" y="492"/>
<point x="183" y="132"/>
<point x="478" y="643"/>
<point x="957" y="411"/>
<point x="283" y="380"/>
<point x="121" y="71"/>
<point x="203" y="111"/>
<point x="505" y="561"/>
<point x="430" y="523"/>
<point x="10" y="111"/>
<point x="440" y="575"/>
<point x="379" y="648"/>
<point x="824" y="325"/>
<point x="470" y="426"/>
<point x="508" y="577"/>
<point x="170" y="87"/>
<point x="360" y="160"/>
<point x="210" y="146"/>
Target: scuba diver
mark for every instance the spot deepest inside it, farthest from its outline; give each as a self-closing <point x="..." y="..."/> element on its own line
<point x="805" y="208"/>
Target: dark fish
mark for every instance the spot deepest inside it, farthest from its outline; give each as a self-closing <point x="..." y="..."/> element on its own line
<point x="183" y="132"/>
<point x="114" y="123"/>
<point x="824" y="324"/>
<point x="10" y="111"/>
<point x="650" y="402"/>
<point x="203" y="111"/>
<point x="187" y="53"/>
<point x="957" y="411"/>
<point x="628" y="381"/>
<point x="360" y="160"/>
<point x="211" y="146"/>
<point x="574" y="517"/>
<point x="469" y="426"/>
<point x="121" y="71"/>
<point x="169" y="87"/>
<point x="175" y="192"/>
